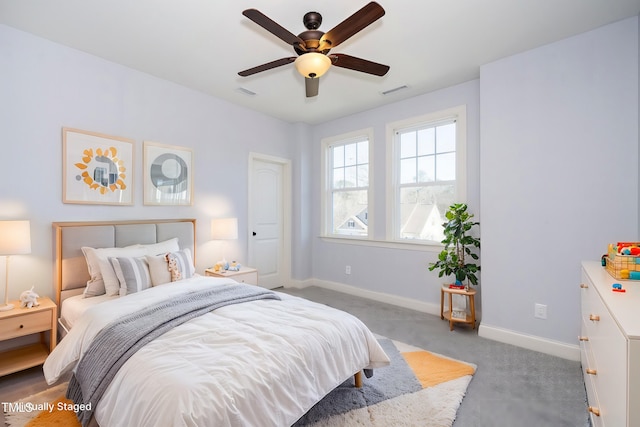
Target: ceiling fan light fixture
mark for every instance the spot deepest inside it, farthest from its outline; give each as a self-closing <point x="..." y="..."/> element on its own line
<point x="312" y="64"/>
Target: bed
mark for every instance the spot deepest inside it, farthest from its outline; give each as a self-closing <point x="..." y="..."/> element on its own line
<point x="263" y="361"/>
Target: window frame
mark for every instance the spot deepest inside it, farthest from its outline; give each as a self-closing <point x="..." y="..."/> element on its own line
<point x="459" y="115"/>
<point x="327" y="189"/>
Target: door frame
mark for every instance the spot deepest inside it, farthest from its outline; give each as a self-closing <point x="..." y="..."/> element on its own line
<point x="286" y="207"/>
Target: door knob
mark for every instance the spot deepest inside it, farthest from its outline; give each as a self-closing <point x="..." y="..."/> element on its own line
<point x="254" y="233"/>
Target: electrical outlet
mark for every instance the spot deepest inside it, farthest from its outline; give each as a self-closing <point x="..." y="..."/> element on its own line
<point x="347" y="269"/>
<point x="540" y="311"/>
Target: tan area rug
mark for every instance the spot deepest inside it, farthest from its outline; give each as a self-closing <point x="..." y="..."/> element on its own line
<point x="45" y="409"/>
<point x="419" y="388"/>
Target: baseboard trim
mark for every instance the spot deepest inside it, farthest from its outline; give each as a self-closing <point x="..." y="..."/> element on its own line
<point x="404" y="302"/>
<point x="530" y="342"/>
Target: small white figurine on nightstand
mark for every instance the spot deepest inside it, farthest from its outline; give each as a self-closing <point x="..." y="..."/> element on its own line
<point x="29" y="299"/>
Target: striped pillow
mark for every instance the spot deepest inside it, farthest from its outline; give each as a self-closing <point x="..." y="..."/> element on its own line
<point x="184" y="262"/>
<point x="133" y="274"/>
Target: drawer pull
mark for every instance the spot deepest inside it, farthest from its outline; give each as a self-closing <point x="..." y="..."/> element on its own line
<point x="594" y="317"/>
<point x="591" y="371"/>
<point x="583" y="338"/>
<point x="583" y="286"/>
<point x="21" y="326"/>
<point x="594" y="411"/>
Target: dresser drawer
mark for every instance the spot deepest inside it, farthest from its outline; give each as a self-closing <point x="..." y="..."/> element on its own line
<point x="25" y="324"/>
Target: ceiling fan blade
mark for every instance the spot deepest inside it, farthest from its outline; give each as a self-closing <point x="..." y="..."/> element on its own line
<point x="267" y="66"/>
<point x="350" y="26"/>
<point x="274" y="28"/>
<point x="311" y="86"/>
<point x="358" y="64"/>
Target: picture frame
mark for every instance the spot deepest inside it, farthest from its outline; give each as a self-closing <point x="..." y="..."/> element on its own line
<point x="167" y="174"/>
<point x="96" y="168"/>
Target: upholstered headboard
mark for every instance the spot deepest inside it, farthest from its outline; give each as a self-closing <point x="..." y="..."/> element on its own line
<point x="71" y="272"/>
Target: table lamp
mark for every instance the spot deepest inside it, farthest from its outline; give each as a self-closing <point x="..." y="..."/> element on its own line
<point x="224" y="229"/>
<point x="15" y="239"/>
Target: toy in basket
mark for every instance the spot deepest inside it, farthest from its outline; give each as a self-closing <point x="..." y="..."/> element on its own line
<point x="623" y="260"/>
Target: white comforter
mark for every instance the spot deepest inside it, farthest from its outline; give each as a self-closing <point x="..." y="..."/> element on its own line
<point x="262" y="363"/>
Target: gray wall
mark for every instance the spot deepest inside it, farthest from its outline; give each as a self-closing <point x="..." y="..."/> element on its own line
<point x="559" y="178"/>
<point x="46" y="86"/>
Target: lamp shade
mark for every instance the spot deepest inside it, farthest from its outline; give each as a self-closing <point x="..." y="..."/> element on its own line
<point x="15" y="237"/>
<point x="224" y="228"/>
<point x="312" y="64"/>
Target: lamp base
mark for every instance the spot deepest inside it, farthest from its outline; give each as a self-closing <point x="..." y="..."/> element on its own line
<point x="6" y="307"/>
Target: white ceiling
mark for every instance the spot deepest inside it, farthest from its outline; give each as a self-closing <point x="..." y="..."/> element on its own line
<point x="202" y="44"/>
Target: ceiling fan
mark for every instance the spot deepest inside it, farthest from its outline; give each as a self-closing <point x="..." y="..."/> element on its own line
<point x="313" y="46"/>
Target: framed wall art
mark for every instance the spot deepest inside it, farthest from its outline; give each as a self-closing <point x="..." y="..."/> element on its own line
<point x="168" y="174"/>
<point x="96" y="168"/>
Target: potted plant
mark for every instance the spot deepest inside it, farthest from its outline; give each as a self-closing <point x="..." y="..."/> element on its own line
<point x="459" y="247"/>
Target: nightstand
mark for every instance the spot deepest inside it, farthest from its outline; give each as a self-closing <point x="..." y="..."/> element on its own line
<point x="450" y="315"/>
<point x="246" y="275"/>
<point x="20" y="322"/>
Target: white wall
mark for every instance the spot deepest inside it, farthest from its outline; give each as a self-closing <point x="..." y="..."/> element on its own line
<point x="45" y="86"/>
<point x="559" y="175"/>
<point x="382" y="272"/>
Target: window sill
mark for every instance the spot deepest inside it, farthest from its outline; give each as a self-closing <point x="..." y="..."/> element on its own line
<point x="410" y="246"/>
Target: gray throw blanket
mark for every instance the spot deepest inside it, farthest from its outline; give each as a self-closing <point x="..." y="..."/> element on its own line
<point x="118" y="341"/>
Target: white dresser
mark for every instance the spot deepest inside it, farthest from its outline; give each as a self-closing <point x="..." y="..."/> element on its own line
<point x="610" y="347"/>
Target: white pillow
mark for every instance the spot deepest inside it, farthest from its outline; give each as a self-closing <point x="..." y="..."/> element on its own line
<point x="132" y="273"/>
<point x="159" y="269"/>
<point x="159" y="248"/>
<point x="101" y="270"/>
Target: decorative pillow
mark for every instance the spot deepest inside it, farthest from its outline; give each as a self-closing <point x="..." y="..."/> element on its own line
<point x="159" y="269"/>
<point x="162" y="248"/>
<point x="133" y="274"/>
<point x="184" y="263"/>
<point x="93" y="256"/>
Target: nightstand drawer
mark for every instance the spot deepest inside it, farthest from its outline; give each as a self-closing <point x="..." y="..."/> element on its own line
<point x="248" y="278"/>
<point x="25" y="324"/>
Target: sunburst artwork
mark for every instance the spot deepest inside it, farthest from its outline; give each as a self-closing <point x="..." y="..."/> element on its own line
<point x="97" y="168"/>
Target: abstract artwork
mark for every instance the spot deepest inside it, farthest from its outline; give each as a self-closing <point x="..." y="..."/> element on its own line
<point x="97" y="168"/>
<point x="168" y="174"/>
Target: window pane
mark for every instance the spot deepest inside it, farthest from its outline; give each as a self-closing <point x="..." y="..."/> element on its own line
<point x="350" y="177"/>
<point x="426" y="168"/>
<point x="408" y="170"/>
<point x="446" y="167"/>
<point x="338" y="156"/>
<point x="350" y="213"/>
<point x="338" y="178"/>
<point x="363" y="152"/>
<point x="407" y="144"/>
<point x="426" y="141"/>
<point x="350" y="154"/>
<point x="422" y="211"/>
<point x="446" y="138"/>
<point x="363" y="176"/>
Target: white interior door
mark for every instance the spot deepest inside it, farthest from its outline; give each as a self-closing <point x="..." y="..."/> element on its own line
<point x="268" y="220"/>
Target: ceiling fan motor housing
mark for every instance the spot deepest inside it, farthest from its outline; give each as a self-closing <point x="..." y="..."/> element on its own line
<point x="312" y="20"/>
<point x="311" y="41"/>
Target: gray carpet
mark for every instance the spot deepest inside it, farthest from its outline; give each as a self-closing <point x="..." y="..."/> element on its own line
<point x="512" y="386"/>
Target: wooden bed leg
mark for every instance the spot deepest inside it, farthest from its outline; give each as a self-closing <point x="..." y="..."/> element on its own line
<point x="358" y="379"/>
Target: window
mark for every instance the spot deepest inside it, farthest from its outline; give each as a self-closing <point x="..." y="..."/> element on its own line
<point x="427" y="163"/>
<point x="346" y="164"/>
